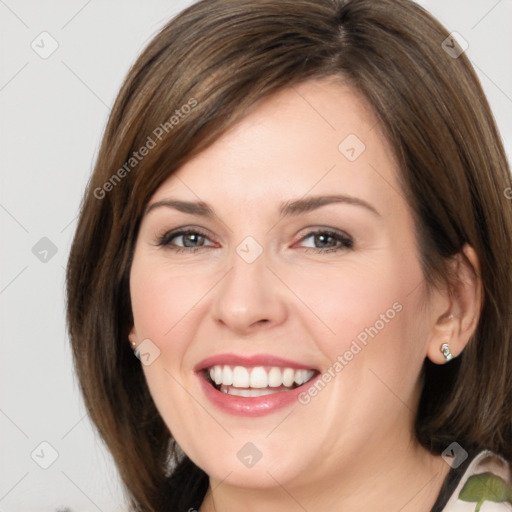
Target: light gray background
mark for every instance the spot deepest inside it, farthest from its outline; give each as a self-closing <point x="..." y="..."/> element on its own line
<point x="52" y="115"/>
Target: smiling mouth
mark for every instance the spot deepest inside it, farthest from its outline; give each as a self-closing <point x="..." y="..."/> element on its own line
<point x="257" y="380"/>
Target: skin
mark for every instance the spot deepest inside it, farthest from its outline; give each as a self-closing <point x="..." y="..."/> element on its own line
<point x="352" y="446"/>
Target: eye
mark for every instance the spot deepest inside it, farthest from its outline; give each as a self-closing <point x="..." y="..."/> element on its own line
<point x="192" y="239"/>
<point x="329" y="241"/>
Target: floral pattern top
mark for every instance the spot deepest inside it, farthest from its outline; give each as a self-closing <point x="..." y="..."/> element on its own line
<point x="485" y="486"/>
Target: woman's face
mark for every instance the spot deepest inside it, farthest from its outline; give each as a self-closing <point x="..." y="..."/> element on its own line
<point x="301" y="264"/>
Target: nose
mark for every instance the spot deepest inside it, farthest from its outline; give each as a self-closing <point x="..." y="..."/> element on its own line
<point x="250" y="297"/>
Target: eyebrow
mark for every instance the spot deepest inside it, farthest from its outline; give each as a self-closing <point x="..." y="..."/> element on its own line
<point x="289" y="208"/>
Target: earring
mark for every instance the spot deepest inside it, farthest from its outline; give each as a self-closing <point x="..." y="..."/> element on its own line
<point x="135" y="351"/>
<point x="445" y="349"/>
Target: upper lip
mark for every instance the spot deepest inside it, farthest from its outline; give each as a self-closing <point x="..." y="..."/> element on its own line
<point x="249" y="361"/>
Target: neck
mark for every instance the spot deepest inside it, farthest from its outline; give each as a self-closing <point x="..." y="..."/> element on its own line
<point x="407" y="479"/>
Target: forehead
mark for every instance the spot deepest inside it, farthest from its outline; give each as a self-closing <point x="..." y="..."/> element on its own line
<point x="320" y="136"/>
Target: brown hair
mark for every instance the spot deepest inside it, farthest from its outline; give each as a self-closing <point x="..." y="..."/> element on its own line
<point x="220" y="57"/>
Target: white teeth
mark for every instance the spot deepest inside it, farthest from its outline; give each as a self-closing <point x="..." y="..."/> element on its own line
<point x="288" y="377"/>
<point x="218" y="375"/>
<point x="221" y="375"/>
<point x="258" y="378"/>
<point x="302" y="376"/>
<point x="227" y="376"/>
<point x="275" y="378"/>
<point x="240" y="377"/>
<point x="247" y="392"/>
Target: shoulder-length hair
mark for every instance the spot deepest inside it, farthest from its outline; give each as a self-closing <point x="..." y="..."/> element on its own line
<point x="203" y="72"/>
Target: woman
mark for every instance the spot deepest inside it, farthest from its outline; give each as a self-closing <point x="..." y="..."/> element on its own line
<point x="272" y="373"/>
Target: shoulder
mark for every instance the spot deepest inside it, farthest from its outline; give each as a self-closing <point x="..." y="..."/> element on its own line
<point x="485" y="486"/>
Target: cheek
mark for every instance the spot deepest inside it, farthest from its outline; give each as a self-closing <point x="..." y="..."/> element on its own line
<point x="161" y="300"/>
<point x="355" y="301"/>
<point x="364" y="319"/>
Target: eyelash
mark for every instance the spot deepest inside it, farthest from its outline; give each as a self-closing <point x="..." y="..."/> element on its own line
<point x="346" y="241"/>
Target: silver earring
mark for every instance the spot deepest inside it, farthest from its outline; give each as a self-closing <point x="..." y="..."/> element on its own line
<point x="445" y="349"/>
<point x="135" y="351"/>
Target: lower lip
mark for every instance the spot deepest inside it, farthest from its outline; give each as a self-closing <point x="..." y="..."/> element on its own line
<point x="252" y="406"/>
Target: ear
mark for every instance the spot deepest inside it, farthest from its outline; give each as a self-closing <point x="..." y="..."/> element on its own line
<point x="456" y="322"/>
<point x="132" y="336"/>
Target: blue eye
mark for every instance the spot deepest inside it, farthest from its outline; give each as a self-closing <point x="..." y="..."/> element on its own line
<point x="189" y="236"/>
<point x="193" y="240"/>
<point x="323" y="236"/>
